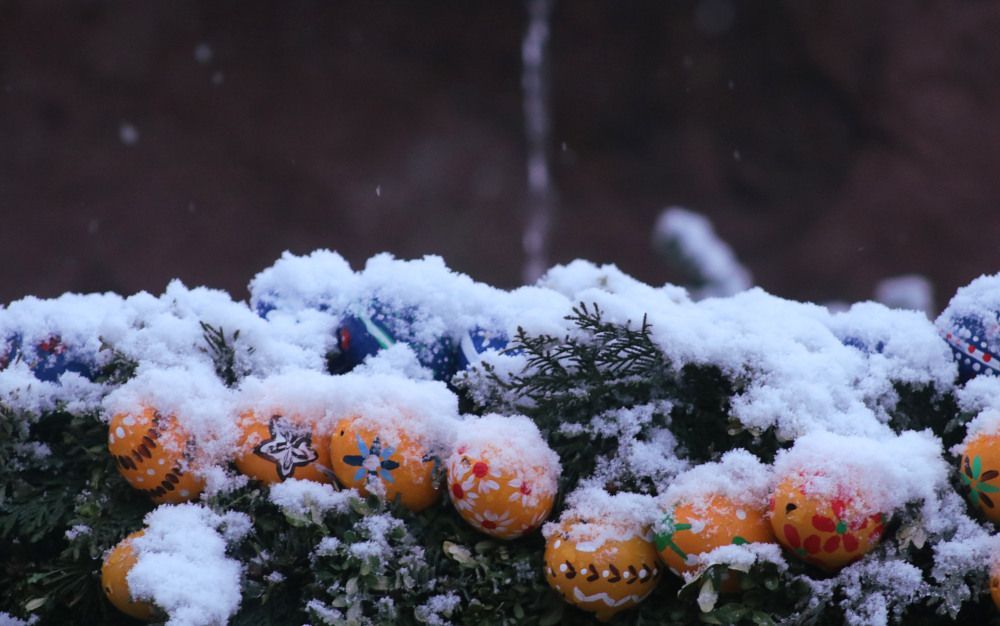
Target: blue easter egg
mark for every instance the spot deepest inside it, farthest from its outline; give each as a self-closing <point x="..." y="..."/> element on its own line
<point x="477" y="341"/>
<point x="974" y="343"/>
<point x="48" y="359"/>
<point x="361" y="335"/>
<point x="865" y="346"/>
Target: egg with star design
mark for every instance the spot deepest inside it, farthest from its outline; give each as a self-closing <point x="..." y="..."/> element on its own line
<point x="275" y="447"/>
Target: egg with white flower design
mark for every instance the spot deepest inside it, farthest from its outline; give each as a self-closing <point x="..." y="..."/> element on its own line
<point x="501" y="489"/>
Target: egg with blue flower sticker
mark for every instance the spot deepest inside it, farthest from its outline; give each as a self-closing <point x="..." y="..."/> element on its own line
<point x="384" y="459"/>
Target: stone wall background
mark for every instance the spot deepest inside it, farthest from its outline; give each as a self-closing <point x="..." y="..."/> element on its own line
<point x="833" y="143"/>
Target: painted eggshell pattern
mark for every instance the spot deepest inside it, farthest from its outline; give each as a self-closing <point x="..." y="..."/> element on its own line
<point x="114" y="571"/>
<point x="280" y="447"/>
<point x="979" y="470"/>
<point x="154" y="455"/>
<point x="689" y="530"/>
<point x="359" y="454"/>
<point x="827" y="532"/>
<point x="604" y="579"/>
<point x="503" y="502"/>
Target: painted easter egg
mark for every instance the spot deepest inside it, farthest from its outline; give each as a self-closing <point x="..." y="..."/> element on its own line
<point x="478" y="341"/>
<point x="366" y="331"/>
<point x="974" y="342"/>
<point x="362" y="453"/>
<point x="829" y="532"/>
<point x="279" y="447"/>
<point x="155" y="455"/>
<point x="604" y="572"/>
<point x="114" y="571"/>
<point x="48" y="358"/>
<point x="689" y="529"/>
<point x="499" y="497"/>
<point x="979" y="470"/>
<point x="995" y="585"/>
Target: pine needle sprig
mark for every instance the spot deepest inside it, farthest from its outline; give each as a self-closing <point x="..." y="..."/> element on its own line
<point x="223" y="353"/>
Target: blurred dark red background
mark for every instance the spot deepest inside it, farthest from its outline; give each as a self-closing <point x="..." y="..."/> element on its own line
<point x="833" y="143"/>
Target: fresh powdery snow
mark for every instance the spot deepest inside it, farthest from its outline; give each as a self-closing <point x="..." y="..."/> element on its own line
<point x="825" y="383"/>
<point x="182" y="564"/>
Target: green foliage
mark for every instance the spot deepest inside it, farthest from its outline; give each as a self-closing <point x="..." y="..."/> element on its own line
<point x="224" y="353"/>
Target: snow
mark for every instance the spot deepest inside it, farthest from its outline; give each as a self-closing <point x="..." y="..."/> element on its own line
<point x="182" y="565"/>
<point x="308" y="499"/>
<point x="738" y="476"/>
<point x="513" y="445"/>
<point x="593" y="515"/>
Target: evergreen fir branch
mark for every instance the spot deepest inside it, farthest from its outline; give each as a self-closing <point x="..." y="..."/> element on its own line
<point x="119" y="369"/>
<point x="223" y="353"/>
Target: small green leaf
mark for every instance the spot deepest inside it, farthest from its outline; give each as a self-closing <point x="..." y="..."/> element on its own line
<point x="35" y="604"/>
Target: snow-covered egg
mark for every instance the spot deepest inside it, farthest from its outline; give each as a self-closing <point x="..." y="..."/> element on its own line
<point x="504" y="486"/>
<point x="276" y="447"/>
<point x="114" y="572"/>
<point x="974" y="343"/>
<point x="979" y="470"/>
<point x="827" y="531"/>
<point x="155" y="455"/>
<point x="367" y="330"/>
<point x="372" y="458"/>
<point x="48" y="358"/>
<point x="689" y="529"/>
<point x="478" y="341"/>
<point x="995" y="584"/>
<point x="600" y="567"/>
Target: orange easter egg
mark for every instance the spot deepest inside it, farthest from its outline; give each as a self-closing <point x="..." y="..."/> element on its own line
<point x="114" y="571"/>
<point x="979" y="470"/>
<point x="503" y="500"/>
<point x="155" y="456"/>
<point x="827" y="531"/>
<point x="602" y="575"/>
<point x="995" y="585"/>
<point x="280" y="447"/>
<point x="361" y="453"/>
<point x="691" y="529"/>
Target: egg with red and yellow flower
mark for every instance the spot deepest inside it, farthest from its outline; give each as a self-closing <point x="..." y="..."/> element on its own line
<point x="502" y="476"/>
<point x="829" y="529"/>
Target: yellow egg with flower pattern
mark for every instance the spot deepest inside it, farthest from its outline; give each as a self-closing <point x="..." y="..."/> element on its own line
<point x="387" y="460"/>
<point x="690" y="529"/>
<point x="979" y="470"/>
<point x="829" y="531"/>
<point x="501" y="489"/>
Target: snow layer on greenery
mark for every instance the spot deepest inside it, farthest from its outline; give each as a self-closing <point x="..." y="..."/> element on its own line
<point x="980" y="397"/>
<point x="309" y="499"/>
<point x="437" y="609"/>
<point x="798" y="374"/>
<point x="6" y="619"/>
<point x="739" y="557"/>
<point x="194" y="395"/>
<point x="426" y="410"/>
<point x="889" y="586"/>
<point x="22" y="391"/>
<point x="511" y="445"/>
<point x="654" y="456"/>
<point x="879" y="475"/>
<point x="738" y="476"/>
<point x="182" y="564"/>
<point x="593" y="515"/>
<point x="166" y="331"/>
<point x="437" y="301"/>
<point x="695" y="241"/>
<point x="75" y="319"/>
